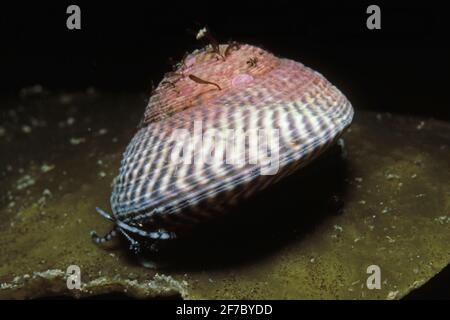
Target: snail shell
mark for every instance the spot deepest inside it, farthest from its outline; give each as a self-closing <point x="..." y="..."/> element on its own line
<point x="241" y="89"/>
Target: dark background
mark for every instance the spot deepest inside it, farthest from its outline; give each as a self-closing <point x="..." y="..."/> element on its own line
<point x="124" y="45"/>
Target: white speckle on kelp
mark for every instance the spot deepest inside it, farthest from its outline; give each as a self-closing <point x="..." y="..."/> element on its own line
<point x="443" y="219"/>
<point x="392" y="295"/>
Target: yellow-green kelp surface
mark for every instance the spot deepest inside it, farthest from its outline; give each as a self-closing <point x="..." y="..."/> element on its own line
<point x="383" y="200"/>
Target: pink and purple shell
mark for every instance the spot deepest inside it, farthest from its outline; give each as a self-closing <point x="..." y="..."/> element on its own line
<point x="242" y="88"/>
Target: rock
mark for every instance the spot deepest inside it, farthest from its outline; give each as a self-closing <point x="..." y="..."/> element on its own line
<point x="287" y="243"/>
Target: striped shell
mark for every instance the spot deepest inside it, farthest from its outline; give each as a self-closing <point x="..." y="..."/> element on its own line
<point x="243" y="89"/>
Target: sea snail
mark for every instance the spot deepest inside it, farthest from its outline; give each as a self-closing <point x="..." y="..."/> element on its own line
<point x="229" y="121"/>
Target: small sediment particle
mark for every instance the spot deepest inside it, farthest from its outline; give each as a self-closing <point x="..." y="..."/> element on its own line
<point x="25" y="182"/>
<point x="41" y="202"/>
<point x="341" y="144"/>
<point x="65" y="99"/>
<point x="201" y="33"/>
<point x="391" y="176"/>
<point x="47" y="193"/>
<point x="70" y="121"/>
<point x="392" y="295"/>
<point x="77" y="141"/>
<point x="420" y="125"/>
<point x="355" y="282"/>
<point x="2" y="131"/>
<point x="359" y="179"/>
<point x="391" y="240"/>
<point x="26" y="129"/>
<point x="420" y="195"/>
<point x="33" y="90"/>
<point x="37" y="123"/>
<point x="442" y="219"/>
<point x="46" y="168"/>
<point x="103" y="131"/>
<point x="102" y="174"/>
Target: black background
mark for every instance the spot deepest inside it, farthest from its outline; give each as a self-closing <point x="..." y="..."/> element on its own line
<point x="124" y="45"/>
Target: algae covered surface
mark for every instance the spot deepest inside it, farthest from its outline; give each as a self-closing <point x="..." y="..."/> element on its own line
<point x="382" y="198"/>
